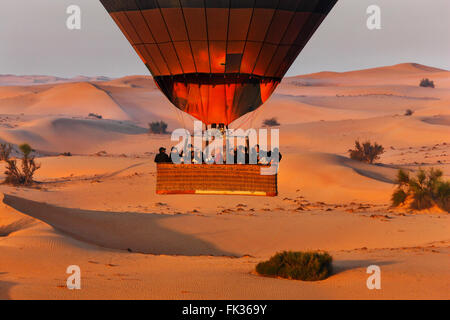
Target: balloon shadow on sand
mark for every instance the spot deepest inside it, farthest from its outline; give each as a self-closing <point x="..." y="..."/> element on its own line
<point x="341" y="266"/>
<point x="5" y="287"/>
<point x="131" y="231"/>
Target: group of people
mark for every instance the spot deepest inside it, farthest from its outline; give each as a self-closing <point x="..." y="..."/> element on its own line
<point x="239" y="155"/>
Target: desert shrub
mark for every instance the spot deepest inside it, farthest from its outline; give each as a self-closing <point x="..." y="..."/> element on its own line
<point x="398" y="197"/>
<point x="306" y="266"/>
<point x="409" y="112"/>
<point x="5" y="151"/>
<point x="23" y="174"/>
<point x="159" y="127"/>
<point x="427" y="83"/>
<point x="366" y="152"/>
<point x="443" y="196"/>
<point x="95" y="115"/>
<point x="272" y="122"/>
<point x="424" y="190"/>
<point x="66" y="154"/>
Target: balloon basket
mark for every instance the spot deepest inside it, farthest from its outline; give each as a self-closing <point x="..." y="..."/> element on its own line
<point x="215" y="179"/>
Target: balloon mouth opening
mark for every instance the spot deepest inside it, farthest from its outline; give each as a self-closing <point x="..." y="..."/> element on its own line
<point x="217" y="98"/>
<point x="216" y="79"/>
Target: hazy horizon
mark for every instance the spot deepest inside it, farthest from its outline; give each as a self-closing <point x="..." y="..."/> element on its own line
<point x="38" y="42"/>
<point x="147" y="74"/>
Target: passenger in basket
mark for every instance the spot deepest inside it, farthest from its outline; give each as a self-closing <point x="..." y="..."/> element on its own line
<point x="162" y="156"/>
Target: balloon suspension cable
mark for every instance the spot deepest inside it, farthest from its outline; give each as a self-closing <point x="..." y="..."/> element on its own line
<point x="180" y="117"/>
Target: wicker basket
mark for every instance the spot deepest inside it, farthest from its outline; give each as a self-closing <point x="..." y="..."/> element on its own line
<point x="214" y="179"/>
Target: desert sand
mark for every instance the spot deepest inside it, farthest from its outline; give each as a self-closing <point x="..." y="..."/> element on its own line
<point x="98" y="209"/>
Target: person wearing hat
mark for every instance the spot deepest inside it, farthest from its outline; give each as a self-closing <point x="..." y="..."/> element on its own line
<point x="162" y="156"/>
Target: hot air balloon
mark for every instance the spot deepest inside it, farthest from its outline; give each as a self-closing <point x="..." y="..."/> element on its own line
<point x="218" y="60"/>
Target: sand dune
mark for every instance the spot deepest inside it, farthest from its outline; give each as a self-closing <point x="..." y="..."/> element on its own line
<point x="76" y="99"/>
<point x="335" y="178"/>
<point x="131" y="82"/>
<point x="357" y="94"/>
<point x="98" y="209"/>
<point x="381" y="75"/>
<point x="147" y="104"/>
<point x="60" y="134"/>
<point x="221" y="236"/>
<point x="339" y="136"/>
<point x="13" y="80"/>
<point x="323" y="96"/>
<point x="355" y="240"/>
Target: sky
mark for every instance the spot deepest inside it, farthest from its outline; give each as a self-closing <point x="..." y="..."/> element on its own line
<point x="34" y="39"/>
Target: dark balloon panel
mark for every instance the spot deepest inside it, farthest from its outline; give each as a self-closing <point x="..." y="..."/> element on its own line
<point x="218" y="59"/>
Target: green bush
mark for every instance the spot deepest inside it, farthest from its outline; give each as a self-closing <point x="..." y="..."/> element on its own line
<point x="272" y="122"/>
<point x="443" y="196"/>
<point x="427" y="83"/>
<point x="158" y="127"/>
<point x="15" y="174"/>
<point x="366" y="152"/>
<point x="425" y="190"/>
<point x="94" y="115"/>
<point x="398" y="197"/>
<point x="306" y="266"/>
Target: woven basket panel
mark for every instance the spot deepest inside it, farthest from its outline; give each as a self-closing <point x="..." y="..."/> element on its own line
<point x="185" y="178"/>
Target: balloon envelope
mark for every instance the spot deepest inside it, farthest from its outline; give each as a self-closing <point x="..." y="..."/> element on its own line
<point x="218" y="59"/>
